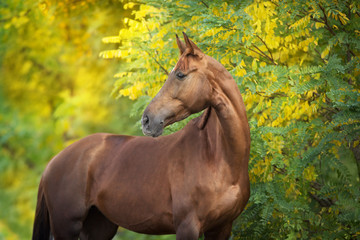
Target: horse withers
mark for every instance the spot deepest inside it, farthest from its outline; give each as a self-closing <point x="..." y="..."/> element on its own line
<point x="191" y="183"/>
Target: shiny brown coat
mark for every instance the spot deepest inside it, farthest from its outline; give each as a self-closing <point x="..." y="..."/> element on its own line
<point x="189" y="183"/>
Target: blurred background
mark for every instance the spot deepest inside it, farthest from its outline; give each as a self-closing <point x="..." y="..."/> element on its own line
<point x="54" y="89"/>
<point x="296" y="64"/>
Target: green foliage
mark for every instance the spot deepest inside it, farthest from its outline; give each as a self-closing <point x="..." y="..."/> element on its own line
<point x="297" y="66"/>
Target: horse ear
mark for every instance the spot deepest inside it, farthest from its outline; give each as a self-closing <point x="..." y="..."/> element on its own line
<point x="193" y="49"/>
<point x="188" y="44"/>
<point x="180" y="44"/>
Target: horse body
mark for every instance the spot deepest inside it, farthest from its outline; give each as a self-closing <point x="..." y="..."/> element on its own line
<point x="192" y="182"/>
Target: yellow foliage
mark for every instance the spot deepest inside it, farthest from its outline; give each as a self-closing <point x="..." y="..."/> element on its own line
<point x="262" y="170"/>
<point x="325" y="52"/>
<point x="6" y="232"/>
<point x="110" y="54"/>
<point x="129" y="5"/>
<point x="134" y="91"/>
<point x="292" y="191"/>
<point x="240" y="72"/>
<point x="114" y="39"/>
<point x="302" y="22"/>
<point x="309" y="173"/>
<point x="319" y="25"/>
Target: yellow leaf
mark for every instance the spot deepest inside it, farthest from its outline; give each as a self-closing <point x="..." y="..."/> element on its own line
<point x="240" y="72"/>
<point x="337" y="143"/>
<point x="265" y="115"/>
<point x="309" y="173"/>
<point x="254" y="65"/>
<point x="342" y="20"/>
<point x="325" y="52"/>
<point x="319" y="25"/>
<point x="242" y="63"/>
<point x="268" y="103"/>
<point x="114" y="39"/>
<point x="261" y="121"/>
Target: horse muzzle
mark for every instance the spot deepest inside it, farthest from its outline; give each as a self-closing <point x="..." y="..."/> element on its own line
<point x="152" y="126"/>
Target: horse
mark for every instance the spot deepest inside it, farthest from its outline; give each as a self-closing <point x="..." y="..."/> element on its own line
<point x="191" y="183"/>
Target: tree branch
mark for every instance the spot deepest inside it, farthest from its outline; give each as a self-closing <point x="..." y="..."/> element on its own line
<point x="256" y="52"/>
<point x="272" y="58"/>
<point x="207" y="6"/>
<point x="326" y="22"/>
<point x="158" y="63"/>
<point x="317" y="51"/>
<point x="323" y="202"/>
<point x="156" y="52"/>
<point x="273" y="95"/>
<point x="262" y="54"/>
<point x="328" y="27"/>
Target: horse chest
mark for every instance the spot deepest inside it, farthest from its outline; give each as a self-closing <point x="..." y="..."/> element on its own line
<point x="224" y="204"/>
<point x="212" y="200"/>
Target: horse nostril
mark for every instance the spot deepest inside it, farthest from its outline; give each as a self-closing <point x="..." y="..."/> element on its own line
<point x="162" y="123"/>
<point x="145" y="120"/>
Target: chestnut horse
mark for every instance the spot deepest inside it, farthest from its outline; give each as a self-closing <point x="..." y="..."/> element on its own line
<point x="189" y="183"/>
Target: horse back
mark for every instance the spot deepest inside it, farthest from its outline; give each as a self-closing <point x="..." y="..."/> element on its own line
<point x="66" y="177"/>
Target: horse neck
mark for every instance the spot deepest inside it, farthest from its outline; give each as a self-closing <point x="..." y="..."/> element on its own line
<point x="230" y="112"/>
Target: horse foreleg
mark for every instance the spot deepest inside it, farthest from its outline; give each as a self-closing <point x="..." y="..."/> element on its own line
<point x="97" y="227"/>
<point x="66" y="220"/>
<point x="188" y="229"/>
<point x="220" y="233"/>
<point x="66" y="229"/>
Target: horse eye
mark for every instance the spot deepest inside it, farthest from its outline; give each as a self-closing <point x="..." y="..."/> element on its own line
<point x="180" y="75"/>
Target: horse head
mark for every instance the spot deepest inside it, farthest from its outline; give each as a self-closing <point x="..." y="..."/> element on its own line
<point x="187" y="90"/>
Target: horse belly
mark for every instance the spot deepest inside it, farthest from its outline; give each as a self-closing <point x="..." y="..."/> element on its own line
<point x="138" y="203"/>
<point x="137" y="211"/>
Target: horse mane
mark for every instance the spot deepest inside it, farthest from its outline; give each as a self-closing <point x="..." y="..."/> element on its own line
<point x="203" y="119"/>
